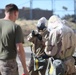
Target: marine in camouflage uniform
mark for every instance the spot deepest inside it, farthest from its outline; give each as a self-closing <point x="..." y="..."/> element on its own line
<point x="38" y="46"/>
<point x="61" y="43"/>
<point x="11" y="40"/>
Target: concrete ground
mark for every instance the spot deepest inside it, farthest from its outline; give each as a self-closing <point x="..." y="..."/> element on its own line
<point x="28" y="55"/>
<point x="20" y="70"/>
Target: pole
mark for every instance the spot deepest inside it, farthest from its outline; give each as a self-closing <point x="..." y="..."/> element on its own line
<point x="31" y="9"/>
<point x="53" y="5"/>
<point x="74" y="7"/>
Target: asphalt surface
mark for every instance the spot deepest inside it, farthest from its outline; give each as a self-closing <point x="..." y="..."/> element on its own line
<point x="28" y="55"/>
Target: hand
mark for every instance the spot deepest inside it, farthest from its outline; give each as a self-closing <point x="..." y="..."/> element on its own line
<point x="34" y="33"/>
<point x="23" y="74"/>
<point x="26" y="72"/>
<point x="39" y="37"/>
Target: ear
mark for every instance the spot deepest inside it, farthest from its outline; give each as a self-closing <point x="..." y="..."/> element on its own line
<point x="15" y="13"/>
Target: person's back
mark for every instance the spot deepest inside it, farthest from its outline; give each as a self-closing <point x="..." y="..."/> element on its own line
<point x="68" y="44"/>
<point x="65" y="41"/>
<point x="8" y="39"/>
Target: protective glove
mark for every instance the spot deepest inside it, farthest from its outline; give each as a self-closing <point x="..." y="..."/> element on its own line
<point x="39" y="37"/>
<point x="34" y="33"/>
<point x="44" y="56"/>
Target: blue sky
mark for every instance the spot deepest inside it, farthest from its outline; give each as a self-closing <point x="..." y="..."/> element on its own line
<point x="44" y="4"/>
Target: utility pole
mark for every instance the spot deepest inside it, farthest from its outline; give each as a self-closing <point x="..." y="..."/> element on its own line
<point x="52" y="1"/>
<point x="31" y="9"/>
<point x="75" y="7"/>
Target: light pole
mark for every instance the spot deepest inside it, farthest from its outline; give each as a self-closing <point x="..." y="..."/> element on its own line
<point x="31" y="9"/>
<point x="74" y="7"/>
<point x="53" y="5"/>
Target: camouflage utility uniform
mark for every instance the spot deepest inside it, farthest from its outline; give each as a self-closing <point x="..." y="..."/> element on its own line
<point x="38" y="50"/>
<point x="61" y="45"/>
<point x="8" y="67"/>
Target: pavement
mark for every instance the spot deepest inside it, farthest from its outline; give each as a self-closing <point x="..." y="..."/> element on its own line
<point x="28" y="55"/>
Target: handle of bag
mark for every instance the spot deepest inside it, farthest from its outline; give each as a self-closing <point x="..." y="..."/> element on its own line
<point x="49" y="62"/>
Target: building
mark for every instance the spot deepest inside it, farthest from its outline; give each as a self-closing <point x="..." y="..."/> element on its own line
<point x="24" y="13"/>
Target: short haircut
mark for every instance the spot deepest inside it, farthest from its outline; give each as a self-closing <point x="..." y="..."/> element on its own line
<point x="11" y="7"/>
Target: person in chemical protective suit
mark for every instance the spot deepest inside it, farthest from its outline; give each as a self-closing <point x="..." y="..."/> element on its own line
<point x="38" y="38"/>
<point x="61" y="43"/>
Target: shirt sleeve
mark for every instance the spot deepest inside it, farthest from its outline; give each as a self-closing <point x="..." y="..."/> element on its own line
<point x="51" y="44"/>
<point x="19" y="35"/>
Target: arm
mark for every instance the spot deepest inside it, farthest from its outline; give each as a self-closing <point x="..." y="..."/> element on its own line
<point x="21" y="54"/>
<point x="51" y="44"/>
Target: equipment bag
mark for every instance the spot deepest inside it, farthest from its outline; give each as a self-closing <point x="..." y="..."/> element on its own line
<point x="56" y="67"/>
<point x="39" y="63"/>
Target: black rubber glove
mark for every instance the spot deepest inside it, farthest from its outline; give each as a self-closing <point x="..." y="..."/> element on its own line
<point x="36" y="34"/>
<point x="44" y="56"/>
<point x="39" y="37"/>
<point x="33" y="33"/>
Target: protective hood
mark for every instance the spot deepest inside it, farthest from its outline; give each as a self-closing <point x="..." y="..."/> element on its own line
<point x="54" y="22"/>
<point x="42" y="23"/>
